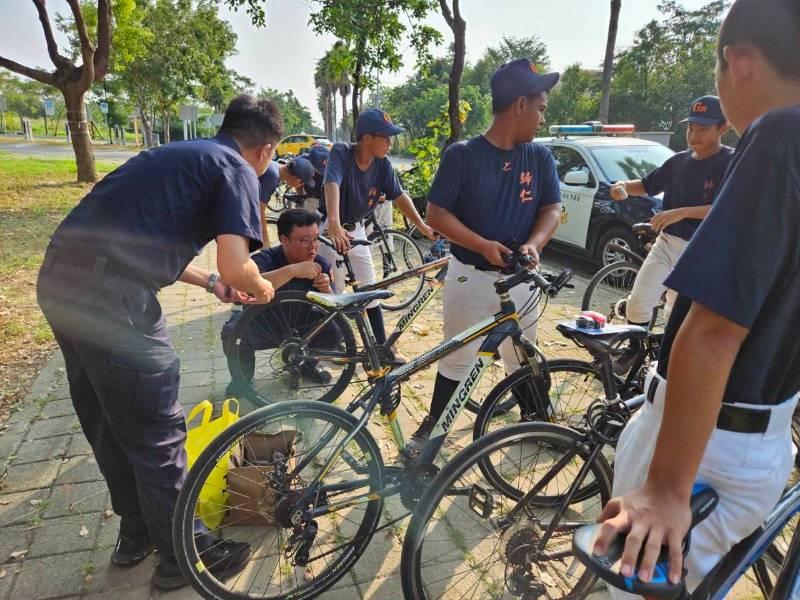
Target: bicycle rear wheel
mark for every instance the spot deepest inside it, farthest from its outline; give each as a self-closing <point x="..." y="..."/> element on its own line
<point x="608" y="291"/>
<point x="291" y="349"/>
<point x="395" y="255"/>
<point x="275" y="202"/>
<point x="469" y="538"/>
<point x="279" y="451"/>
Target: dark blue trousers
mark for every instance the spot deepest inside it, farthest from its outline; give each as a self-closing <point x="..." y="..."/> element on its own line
<point x="123" y="378"/>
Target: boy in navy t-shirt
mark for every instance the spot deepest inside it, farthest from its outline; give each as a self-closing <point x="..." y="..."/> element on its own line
<point x="355" y="178"/>
<point x="689" y="181"/>
<point x="722" y="416"/>
<point x="492" y="194"/>
<point x="292" y="265"/>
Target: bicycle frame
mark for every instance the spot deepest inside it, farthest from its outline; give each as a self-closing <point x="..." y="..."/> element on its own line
<point x="497" y="328"/>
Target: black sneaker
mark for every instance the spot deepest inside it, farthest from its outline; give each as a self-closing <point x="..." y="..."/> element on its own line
<point x="224" y="560"/>
<point x="131" y="550"/>
<point x="315" y="373"/>
<point x="417" y="441"/>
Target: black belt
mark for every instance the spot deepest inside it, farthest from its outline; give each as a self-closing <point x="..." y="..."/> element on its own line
<point x="489" y="268"/>
<point x="732" y="417"/>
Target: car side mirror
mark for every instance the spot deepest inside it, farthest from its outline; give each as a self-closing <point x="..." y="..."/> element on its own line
<point x="577" y="178"/>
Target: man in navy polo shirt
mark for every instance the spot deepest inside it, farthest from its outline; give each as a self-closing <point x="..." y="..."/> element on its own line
<point x="134" y="233"/>
<point x="355" y="177"/>
<point x="690" y="181"/>
<point x="492" y="194"/>
<point x="292" y="265"/>
<point x="722" y="398"/>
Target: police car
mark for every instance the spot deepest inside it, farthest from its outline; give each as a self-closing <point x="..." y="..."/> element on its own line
<point x="589" y="158"/>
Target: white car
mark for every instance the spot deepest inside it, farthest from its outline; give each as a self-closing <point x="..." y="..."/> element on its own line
<point x="587" y="166"/>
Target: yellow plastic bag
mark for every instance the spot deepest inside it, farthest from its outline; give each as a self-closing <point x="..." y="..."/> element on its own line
<point x="213" y="500"/>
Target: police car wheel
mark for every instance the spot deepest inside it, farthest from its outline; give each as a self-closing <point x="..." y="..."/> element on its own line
<point x="606" y="255"/>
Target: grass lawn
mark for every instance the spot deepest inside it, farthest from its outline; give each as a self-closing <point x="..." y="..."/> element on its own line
<point x="35" y="195"/>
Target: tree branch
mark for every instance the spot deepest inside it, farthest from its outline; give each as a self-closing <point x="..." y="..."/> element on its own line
<point x="103" y="52"/>
<point x="37" y="74"/>
<point x="457" y="14"/>
<point x="448" y="16"/>
<point x="52" y="47"/>
<point x="87" y="49"/>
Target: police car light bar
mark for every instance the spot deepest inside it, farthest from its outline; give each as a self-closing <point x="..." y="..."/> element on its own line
<point x="594" y="128"/>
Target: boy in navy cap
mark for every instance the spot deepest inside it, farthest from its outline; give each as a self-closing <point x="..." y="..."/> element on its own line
<point x="276" y="173"/>
<point x="492" y="194"/>
<point x="722" y="398"/>
<point x="355" y="178"/>
<point x="690" y="181"/>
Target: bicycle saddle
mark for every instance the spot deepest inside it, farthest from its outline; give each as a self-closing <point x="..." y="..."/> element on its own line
<point x="606" y="567"/>
<point x="348" y="301"/>
<point x="645" y="230"/>
<point x="602" y="340"/>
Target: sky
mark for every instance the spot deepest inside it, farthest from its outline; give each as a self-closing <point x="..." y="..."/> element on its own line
<point x="284" y="53"/>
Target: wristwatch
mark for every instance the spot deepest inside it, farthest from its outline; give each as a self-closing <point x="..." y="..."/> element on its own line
<point x="212" y="282"/>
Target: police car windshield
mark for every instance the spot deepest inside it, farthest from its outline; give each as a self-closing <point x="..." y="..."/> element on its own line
<point x="624" y="163"/>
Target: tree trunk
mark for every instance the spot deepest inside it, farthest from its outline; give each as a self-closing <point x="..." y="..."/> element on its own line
<point x="333" y="109"/>
<point x="357" y="86"/>
<point x="79" y="132"/>
<point x="459" y="27"/>
<point x="344" y="110"/>
<point x="165" y="120"/>
<point x="608" y="63"/>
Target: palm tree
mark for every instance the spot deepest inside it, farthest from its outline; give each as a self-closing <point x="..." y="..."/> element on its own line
<point x="339" y="62"/>
<point x="327" y="95"/>
<point x="608" y="63"/>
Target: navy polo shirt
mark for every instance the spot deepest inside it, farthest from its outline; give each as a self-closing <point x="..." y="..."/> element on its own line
<point x="274" y="258"/>
<point x="686" y="182"/>
<point x="495" y="192"/>
<point x="151" y="216"/>
<point x="269" y="182"/>
<point x="359" y="190"/>
<point x="744" y="262"/>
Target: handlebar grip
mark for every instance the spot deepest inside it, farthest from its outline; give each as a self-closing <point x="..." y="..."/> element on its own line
<point x="563" y="279"/>
<point x="360" y="243"/>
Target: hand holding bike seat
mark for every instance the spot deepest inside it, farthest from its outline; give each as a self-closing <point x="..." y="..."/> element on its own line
<point x="607" y="565"/>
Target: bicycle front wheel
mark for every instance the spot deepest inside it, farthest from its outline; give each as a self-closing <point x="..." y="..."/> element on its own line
<point x="291" y="349"/>
<point x="468" y="538"/>
<point x="608" y="290"/>
<point x="394" y="254"/>
<point x="301" y="542"/>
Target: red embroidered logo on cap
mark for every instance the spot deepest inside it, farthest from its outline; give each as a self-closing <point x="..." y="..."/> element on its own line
<point x="386" y="118"/>
<point x="533" y="67"/>
<point x="699" y="107"/>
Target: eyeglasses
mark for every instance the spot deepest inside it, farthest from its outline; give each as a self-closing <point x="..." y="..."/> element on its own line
<point x="307" y="242"/>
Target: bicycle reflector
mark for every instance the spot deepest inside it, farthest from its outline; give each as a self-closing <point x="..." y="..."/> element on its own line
<point x="590" y="319"/>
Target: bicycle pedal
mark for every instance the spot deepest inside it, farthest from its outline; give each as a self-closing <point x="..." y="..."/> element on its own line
<point x="482" y="501"/>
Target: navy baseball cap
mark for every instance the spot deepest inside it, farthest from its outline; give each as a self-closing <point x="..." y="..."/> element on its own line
<point x="519" y="78"/>
<point x="302" y="168"/>
<point x="318" y="154"/>
<point x="376" y="122"/>
<point x="706" y="111"/>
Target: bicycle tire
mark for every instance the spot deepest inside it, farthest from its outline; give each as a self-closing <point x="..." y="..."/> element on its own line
<point x="275" y="202"/>
<point x="796" y="435"/>
<point x="272" y="365"/>
<point x="449" y="478"/>
<point x="407" y="255"/>
<point x="272" y="230"/>
<point x="184" y="524"/>
<point x="565" y="411"/>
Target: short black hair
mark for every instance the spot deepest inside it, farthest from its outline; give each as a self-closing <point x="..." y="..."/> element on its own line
<point x="771" y="26"/>
<point x="253" y="121"/>
<point x="296" y="217"/>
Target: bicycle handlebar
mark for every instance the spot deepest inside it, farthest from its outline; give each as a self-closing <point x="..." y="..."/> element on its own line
<point x="296" y="197"/>
<point x="606" y="566"/>
<point x="519" y="265"/>
<point x="329" y="244"/>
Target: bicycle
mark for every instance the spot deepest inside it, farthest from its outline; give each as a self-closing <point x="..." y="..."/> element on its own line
<point x="393" y="253"/>
<point x="293" y="325"/>
<point x="328" y="492"/>
<point x="775" y="562"/>
<point x="608" y="291"/>
<point x="474" y="532"/>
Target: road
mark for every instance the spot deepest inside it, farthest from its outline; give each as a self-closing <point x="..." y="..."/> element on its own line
<point x="63" y="150"/>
